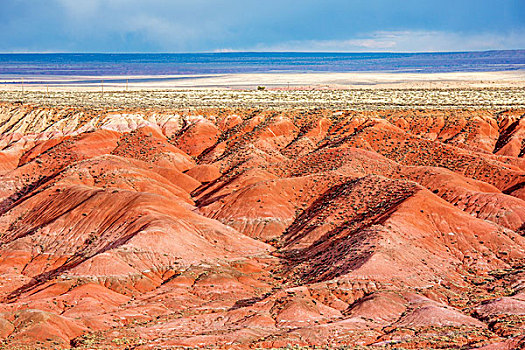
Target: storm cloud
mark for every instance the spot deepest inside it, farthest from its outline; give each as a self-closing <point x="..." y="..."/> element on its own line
<point x="271" y="25"/>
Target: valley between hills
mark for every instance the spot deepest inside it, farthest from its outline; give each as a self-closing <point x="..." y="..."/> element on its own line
<point x="160" y="228"/>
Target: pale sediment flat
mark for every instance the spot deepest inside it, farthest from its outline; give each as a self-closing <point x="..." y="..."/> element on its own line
<point x="369" y="90"/>
<point x="346" y="80"/>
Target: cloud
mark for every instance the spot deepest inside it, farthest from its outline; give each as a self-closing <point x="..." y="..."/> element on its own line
<point x="405" y="41"/>
<point x="137" y="25"/>
<point x="270" y="25"/>
<point x="224" y="50"/>
<point x="81" y="8"/>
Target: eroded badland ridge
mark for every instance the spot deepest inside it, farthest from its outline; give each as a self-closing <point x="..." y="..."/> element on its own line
<point x="160" y="228"/>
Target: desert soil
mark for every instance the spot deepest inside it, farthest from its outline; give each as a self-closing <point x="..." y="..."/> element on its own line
<point x="263" y="219"/>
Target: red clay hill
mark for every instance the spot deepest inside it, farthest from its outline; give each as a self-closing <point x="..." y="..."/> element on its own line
<point x="261" y="229"/>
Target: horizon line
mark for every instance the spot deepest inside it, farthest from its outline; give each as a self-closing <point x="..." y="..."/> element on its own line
<point x="240" y="51"/>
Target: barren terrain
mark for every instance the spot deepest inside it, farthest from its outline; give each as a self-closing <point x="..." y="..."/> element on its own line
<point x="131" y="220"/>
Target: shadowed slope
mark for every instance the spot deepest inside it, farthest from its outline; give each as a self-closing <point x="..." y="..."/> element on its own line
<point x="152" y="229"/>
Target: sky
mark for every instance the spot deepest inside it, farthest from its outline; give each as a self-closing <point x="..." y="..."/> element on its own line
<point x="260" y="25"/>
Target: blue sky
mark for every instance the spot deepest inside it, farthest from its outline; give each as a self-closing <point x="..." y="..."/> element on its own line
<point x="260" y="25"/>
